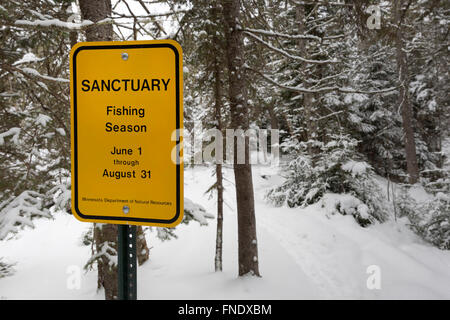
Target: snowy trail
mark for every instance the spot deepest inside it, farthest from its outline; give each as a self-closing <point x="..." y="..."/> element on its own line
<point x="335" y="252"/>
<point x="315" y="259"/>
<point x="313" y="255"/>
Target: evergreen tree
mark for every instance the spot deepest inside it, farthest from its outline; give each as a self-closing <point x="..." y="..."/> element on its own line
<point x="248" y="249"/>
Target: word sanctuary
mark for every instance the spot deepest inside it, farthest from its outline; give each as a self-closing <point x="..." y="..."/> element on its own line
<point x="124" y="85"/>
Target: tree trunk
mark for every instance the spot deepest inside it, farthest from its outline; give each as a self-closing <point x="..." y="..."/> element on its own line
<point x="219" y="235"/>
<point x="219" y="178"/>
<point x="274" y="123"/>
<point x="404" y="99"/>
<point x="311" y="125"/>
<point x="104" y="234"/>
<point x="248" y="249"/>
<point x="96" y="11"/>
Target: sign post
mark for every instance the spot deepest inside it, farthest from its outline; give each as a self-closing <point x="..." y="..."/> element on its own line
<point x="126" y="255"/>
<point x="126" y="122"/>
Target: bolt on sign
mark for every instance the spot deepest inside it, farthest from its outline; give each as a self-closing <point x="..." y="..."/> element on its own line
<point x="126" y="117"/>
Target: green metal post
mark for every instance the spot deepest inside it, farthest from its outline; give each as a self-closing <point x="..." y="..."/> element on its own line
<point x="126" y="256"/>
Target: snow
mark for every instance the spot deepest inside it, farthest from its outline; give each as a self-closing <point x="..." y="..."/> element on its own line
<point x="356" y="167"/>
<point x="277" y="34"/>
<point x="61" y="131"/>
<point x="14" y="132"/>
<point x="57" y="23"/>
<point x="27" y="57"/>
<point x="43" y="85"/>
<point x="20" y="212"/>
<point x="197" y="212"/>
<point x="354" y="97"/>
<point x="42" y="119"/>
<point x="36" y="73"/>
<point x="418" y="193"/>
<point x="303" y="254"/>
<point x="345" y="204"/>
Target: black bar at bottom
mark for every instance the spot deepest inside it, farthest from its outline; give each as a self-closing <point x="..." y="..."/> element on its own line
<point x="127" y="262"/>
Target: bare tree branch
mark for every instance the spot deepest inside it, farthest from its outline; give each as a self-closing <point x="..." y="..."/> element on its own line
<point x="320" y="90"/>
<point x="286" y="54"/>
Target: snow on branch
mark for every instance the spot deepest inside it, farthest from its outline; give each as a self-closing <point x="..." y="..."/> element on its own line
<point x="31" y="72"/>
<point x="20" y="211"/>
<point x="86" y="23"/>
<point x="36" y="73"/>
<point x="14" y="132"/>
<point x="286" y="54"/>
<point x="281" y="35"/>
<point x="292" y="36"/>
<point x="349" y="90"/>
<point x="106" y="251"/>
<point x="27" y="57"/>
<point x="320" y="90"/>
<point x="9" y="94"/>
<point x="147" y="17"/>
<point x="196" y="212"/>
<point x="57" y="23"/>
<point x="61" y="195"/>
<point x="329" y="3"/>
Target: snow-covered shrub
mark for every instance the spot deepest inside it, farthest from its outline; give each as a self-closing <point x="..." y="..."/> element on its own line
<point x="15" y="213"/>
<point x="19" y="211"/>
<point x="406" y="206"/>
<point x="332" y="169"/>
<point x="436" y="229"/>
<point x="59" y="196"/>
<point x="347" y="204"/>
<point x="194" y="211"/>
<point x="5" y="269"/>
<point x="430" y="219"/>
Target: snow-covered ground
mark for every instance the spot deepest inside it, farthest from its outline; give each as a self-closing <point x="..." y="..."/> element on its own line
<point x="303" y="254"/>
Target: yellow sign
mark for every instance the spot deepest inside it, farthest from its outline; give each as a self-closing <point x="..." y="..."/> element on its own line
<point x="127" y="116"/>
